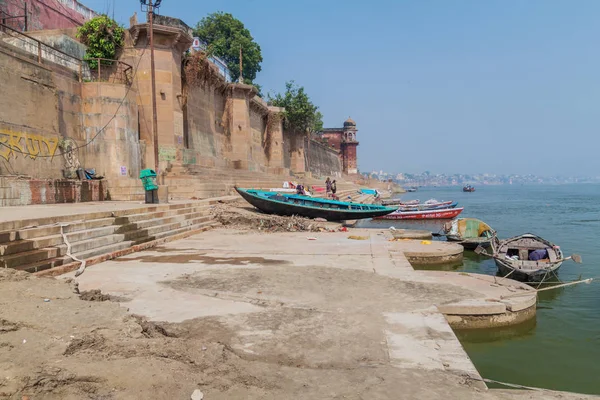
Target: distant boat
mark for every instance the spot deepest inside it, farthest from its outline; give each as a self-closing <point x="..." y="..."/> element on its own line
<point x="411" y="189"/>
<point x="311" y="207"/>
<point x="469" y="232"/>
<point x="527" y="258"/>
<point x="445" y="213"/>
<point x="468" y="188"/>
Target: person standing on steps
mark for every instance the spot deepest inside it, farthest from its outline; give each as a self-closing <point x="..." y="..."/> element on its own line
<point x="328" y="187"/>
<point x="334" y="190"/>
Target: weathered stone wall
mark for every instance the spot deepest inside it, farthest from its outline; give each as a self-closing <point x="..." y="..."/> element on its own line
<point x="321" y="160"/>
<point x="45" y="110"/>
<point x="207" y="143"/>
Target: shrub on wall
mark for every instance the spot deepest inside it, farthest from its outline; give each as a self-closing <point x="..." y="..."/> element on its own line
<point x="103" y="37"/>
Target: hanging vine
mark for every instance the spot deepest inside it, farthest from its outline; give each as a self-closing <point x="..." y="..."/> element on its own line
<point x="227" y="119"/>
<point x="273" y="120"/>
<point x="200" y="72"/>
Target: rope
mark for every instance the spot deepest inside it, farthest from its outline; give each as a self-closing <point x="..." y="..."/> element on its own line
<point x="512" y="385"/>
<point x="66" y="241"/>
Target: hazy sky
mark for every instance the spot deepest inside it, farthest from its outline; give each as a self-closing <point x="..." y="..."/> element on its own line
<point x="507" y="86"/>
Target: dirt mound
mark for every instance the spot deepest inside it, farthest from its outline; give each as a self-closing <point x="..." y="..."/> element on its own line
<point x="248" y="218"/>
<point x="12" y="275"/>
<point x="97" y="295"/>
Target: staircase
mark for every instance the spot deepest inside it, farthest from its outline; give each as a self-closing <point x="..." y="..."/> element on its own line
<point x="38" y="245"/>
<point x="198" y="182"/>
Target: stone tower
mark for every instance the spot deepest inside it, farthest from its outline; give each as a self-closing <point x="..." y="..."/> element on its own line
<point x="348" y="147"/>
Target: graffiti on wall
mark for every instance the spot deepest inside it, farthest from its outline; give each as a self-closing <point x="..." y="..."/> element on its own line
<point x="167" y="153"/>
<point x="30" y="144"/>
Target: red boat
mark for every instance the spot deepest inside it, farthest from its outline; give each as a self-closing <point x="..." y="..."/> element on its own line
<point x="446" y="213"/>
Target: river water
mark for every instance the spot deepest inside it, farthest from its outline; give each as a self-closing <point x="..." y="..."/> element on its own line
<point x="560" y="349"/>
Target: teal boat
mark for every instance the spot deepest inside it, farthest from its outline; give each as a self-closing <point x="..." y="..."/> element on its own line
<point x="310" y="207"/>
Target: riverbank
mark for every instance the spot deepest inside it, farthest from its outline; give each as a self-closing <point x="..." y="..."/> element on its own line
<point x="241" y="314"/>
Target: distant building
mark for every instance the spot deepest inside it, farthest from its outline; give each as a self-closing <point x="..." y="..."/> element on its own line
<point x="36" y="15"/>
<point x="344" y="141"/>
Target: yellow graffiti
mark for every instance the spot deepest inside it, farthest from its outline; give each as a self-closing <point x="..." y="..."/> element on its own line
<point x="28" y="144"/>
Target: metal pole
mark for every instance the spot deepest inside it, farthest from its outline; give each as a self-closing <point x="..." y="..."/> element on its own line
<point x="241" y="76"/>
<point x="152" y="77"/>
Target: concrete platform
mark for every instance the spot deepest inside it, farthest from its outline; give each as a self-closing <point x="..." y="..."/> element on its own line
<point x="411" y="234"/>
<point x="359" y="299"/>
<point x="429" y="252"/>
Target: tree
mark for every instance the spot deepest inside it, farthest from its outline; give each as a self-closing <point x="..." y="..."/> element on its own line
<point x="225" y="34"/>
<point x="103" y="37"/>
<point x="301" y="115"/>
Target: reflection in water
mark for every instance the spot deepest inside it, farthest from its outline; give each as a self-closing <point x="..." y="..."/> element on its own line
<point x="522" y="330"/>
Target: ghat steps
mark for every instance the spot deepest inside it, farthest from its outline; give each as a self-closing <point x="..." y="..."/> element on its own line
<point x="201" y="182"/>
<point x="37" y="245"/>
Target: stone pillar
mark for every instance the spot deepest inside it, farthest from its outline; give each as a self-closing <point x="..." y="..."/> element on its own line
<point x="297" y="156"/>
<point x="170" y="43"/>
<point x="240" y="135"/>
<point x="276" y="142"/>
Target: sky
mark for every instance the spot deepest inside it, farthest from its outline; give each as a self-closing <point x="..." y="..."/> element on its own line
<point x="461" y="86"/>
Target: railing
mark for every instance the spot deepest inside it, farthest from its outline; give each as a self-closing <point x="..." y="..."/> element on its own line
<point x="104" y="70"/>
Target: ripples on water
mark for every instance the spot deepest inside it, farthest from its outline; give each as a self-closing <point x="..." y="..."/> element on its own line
<point x="561" y="348"/>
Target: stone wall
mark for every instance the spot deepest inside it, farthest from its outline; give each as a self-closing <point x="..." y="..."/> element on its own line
<point x="321" y="160"/>
<point x="45" y="112"/>
<point x="207" y="145"/>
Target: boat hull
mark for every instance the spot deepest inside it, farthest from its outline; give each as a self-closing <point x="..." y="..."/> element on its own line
<point x="505" y="267"/>
<point x="471" y="243"/>
<point x="287" y="208"/>
<point x="428" y="214"/>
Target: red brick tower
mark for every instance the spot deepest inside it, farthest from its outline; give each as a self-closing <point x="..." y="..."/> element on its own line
<point x="348" y="147"/>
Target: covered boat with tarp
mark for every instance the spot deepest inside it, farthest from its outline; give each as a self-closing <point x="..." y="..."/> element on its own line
<point x="311" y="207"/>
<point x="469" y="232"/>
<point x="527" y="257"/>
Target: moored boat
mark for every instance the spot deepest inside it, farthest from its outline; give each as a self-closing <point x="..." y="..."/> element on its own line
<point x="527" y="257"/>
<point x="411" y="189"/>
<point x="431" y="206"/>
<point x="445" y="213"/>
<point x="468" y="188"/>
<point x="310" y="207"/>
<point x="399" y="202"/>
<point x="469" y="232"/>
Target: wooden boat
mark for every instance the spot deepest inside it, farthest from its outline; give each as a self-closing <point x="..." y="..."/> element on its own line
<point x="399" y="202"/>
<point x="310" y="207"/>
<point x="468" y="188"/>
<point x="469" y="232"/>
<point x="445" y="213"/>
<point x="429" y="206"/>
<point x="527" y="258"/>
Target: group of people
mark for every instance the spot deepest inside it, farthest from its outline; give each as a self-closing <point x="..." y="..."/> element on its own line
<point x="331" y="188"/>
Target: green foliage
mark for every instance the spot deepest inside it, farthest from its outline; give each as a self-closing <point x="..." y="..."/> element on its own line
<point x="301" y="115"/>
<point x="103" y="37"/>
<point x="225" y="34"/>
<point x="258" y="89"/>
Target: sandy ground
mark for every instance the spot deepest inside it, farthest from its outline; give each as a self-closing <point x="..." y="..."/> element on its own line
<point x="238" y="315"/>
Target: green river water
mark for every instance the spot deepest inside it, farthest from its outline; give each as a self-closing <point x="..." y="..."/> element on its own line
<point x="560" y="349"/>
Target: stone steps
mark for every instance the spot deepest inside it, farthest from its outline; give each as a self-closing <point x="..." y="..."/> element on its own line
<point x="35" y="246"/>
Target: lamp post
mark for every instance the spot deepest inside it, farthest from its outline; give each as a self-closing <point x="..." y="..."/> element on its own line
<point x="150" y="6"/>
